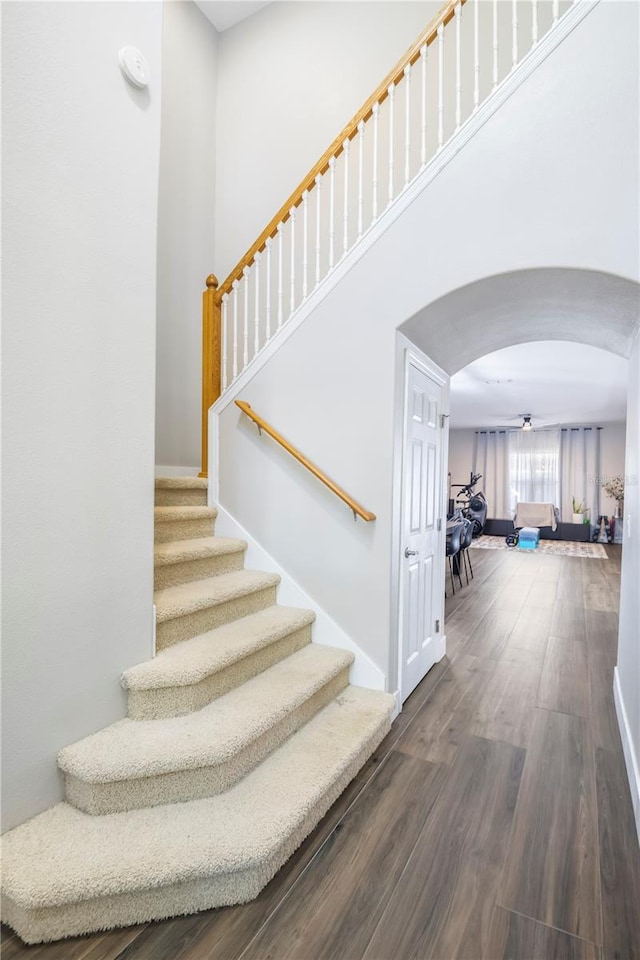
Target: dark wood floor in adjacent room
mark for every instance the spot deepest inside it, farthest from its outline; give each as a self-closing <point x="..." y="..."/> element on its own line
<point x="493" y="822"/>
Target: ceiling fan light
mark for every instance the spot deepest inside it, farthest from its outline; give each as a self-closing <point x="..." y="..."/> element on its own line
<point x="526" y="425"/>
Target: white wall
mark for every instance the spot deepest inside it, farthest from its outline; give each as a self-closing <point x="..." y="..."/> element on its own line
<point x="460" y="455"/>
<point x="80" y="194"/>
<point x="185" y="225"/>
<point x="612" y="460"/>
<point x="290" y="78"/>
<point x="533" y="188"/>
<point x="628" y="668"/>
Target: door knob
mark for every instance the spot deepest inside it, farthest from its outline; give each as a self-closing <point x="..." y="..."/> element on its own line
<point x="410" y="553"/>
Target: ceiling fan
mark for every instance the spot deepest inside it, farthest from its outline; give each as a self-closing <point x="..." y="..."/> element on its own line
<point x="527" y="421"/>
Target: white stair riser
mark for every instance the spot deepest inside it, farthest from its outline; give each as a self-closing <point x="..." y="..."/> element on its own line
<point x="168" y="531"/>
<point x="195" y="783"/>
<point x="163" y="702"/>
<point x="192" y="624"/>
<point x="179" y="497"/>
<point x="157" y="903"/>
<point x="171" y="574"/>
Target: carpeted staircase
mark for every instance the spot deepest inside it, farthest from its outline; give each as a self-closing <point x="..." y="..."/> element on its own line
<point x="241" y="734"/>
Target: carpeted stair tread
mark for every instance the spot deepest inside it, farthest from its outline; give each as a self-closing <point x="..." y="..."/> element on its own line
<point x="66" y="859"/>
<point x="130" y="749"/>
<point x="188" y="598"/>
<point x="192" y="660"/>
<point x="200" y="548"/>
<point x="182" y="513"/>
<point x="181" y="483"/>
<point x="185" y="491"/>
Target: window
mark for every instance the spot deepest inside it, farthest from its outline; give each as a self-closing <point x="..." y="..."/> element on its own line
<point x="534" y="467"/>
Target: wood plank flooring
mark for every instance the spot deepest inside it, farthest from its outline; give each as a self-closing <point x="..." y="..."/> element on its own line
<point x="494" y="821"/>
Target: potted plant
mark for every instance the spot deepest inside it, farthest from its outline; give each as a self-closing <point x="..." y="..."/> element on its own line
<point x="614" y="487"/>
<point x="579" y="509"/>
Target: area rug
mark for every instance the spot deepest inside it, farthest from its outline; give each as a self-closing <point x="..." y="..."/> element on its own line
<point x="555" y="548"/>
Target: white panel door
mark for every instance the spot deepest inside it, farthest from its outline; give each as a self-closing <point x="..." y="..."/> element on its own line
<point x="420" y="542"/>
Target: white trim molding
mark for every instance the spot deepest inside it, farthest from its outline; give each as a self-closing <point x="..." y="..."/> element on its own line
<point x="397" y="710"/>
<point x="629" y="749"/>
<point x="364" y="672"/>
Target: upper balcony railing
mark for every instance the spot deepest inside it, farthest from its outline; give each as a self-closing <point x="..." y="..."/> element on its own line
<point x="459" y="60"/>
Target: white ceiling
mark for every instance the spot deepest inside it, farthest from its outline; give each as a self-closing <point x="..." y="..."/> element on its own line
<point x="553" y="380"/>
<point x="226" y="13"/>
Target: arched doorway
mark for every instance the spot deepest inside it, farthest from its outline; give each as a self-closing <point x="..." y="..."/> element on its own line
<point x="545" y="304"/>
<point x="581" y="306"/>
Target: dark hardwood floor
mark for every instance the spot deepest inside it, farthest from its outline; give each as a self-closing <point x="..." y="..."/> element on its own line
<point x="493" y="823"/>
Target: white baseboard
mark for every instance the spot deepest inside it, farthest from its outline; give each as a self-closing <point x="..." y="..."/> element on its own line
<point x="176" y="471"/>
<point x="397" y="710"/>
<point x="364" y="672"/>
<point x="629" y="749"/>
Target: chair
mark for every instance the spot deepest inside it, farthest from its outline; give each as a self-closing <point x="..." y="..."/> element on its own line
<point x="455" y="533"/>
<point x="467" y="538"/>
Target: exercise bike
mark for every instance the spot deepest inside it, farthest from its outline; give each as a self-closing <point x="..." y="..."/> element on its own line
<point x="470" y="505"/>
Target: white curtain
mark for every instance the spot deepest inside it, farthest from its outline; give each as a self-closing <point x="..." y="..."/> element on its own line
<point x="534" y="467"/>
<point x="491" y="459"/>
<point x="580" y="470"/>
<point x="539" y="466"/>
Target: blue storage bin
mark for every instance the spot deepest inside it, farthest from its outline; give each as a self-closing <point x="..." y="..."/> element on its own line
<point x="529" y="537"/>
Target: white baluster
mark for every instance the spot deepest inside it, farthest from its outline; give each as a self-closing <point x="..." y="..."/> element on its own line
<point x="267" y="312"/>
<point x="305" y="243"/>
<point x="458" y="12"/>
<point x="346" y="146"/>
<point x="476" y="56"/>
<point x="423" y="119"/>
<point x="495" y="44"/>
<point x="280" y="272"/>
<point x="245" y="293"/>
<point x="256" y="314"/>
<point x="332" y="214"/>
<point x="376" y="117"/>
<point x="225" y="337"/>
<point x="407" y="124"/>
<point x="514" y="33"/>
<point x="292" y="279"/>
<point x="440" y="86"/>
<point x="392" y="96"/>
<point x="534" y="22"/>
<point x="318" y="207"/>
<point x="556" y="10"/>
<point x="235" y="329"/>
<point x="360" y="175"/>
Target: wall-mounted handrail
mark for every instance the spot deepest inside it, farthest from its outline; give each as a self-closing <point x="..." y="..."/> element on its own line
<point x="428" y="36"/>
<point x="358" y="510"/>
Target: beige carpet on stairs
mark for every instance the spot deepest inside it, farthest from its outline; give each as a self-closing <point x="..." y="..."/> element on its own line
<point x="241" y="734"/>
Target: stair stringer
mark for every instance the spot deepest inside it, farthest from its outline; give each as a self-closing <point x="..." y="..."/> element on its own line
<point x="364" y="672"/>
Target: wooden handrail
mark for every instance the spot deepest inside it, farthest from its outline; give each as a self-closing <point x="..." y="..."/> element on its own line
<point x="358" y="510"/>
<point x="428" y="35"/>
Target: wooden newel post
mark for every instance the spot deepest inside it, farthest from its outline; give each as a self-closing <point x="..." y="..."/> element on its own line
<point x="211" y="349"/>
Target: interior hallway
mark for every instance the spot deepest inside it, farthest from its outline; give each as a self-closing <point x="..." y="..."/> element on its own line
<point x="493" y="822"/>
